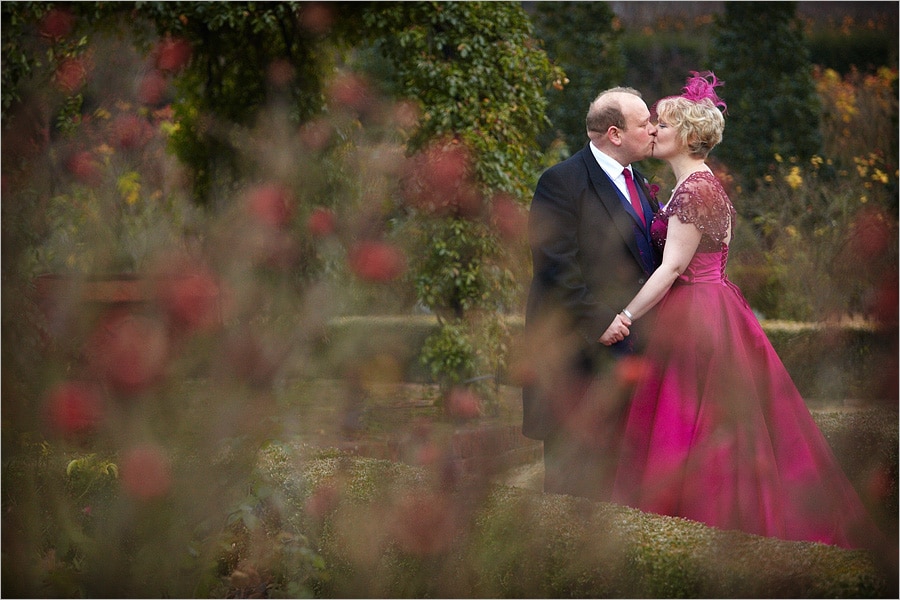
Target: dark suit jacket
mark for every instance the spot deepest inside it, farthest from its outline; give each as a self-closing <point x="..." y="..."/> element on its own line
<point x="590" y="256"/>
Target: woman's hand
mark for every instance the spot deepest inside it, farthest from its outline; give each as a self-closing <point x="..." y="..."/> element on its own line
<point x="617" y="331"/>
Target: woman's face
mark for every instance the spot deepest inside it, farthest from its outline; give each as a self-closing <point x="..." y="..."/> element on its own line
<point x="668" y="143"/>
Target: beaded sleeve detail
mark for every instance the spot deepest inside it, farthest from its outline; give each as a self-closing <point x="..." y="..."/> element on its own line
<point x="701" y="200"/>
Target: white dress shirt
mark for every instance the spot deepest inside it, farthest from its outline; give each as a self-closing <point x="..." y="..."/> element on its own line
<point x="613" y="169"/>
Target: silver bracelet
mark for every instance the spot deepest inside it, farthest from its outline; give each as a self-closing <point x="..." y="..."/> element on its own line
<point x="628" y="314"/>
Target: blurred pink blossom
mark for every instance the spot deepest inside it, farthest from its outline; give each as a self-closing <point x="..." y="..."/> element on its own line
<point x="377" y="261"/>
<point x="57" y="24"/>
<point x="145" y="472"/>
<point x="508" y="217"/>
<point x="71" y="74"/>
<point x="270" y="204"/>
<point x="172" y="54"/>
<point x="128" y="352"/>
<point x="321" y="222"/>
<point x="74" y="407"/>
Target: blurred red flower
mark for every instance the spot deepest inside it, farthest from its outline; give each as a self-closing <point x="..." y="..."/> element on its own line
<point x="191" y="299"/>
<point x="128" y="352"/>
<point x="316" y="134"/>
<point x="73" y="408"/>
<point x="508" y="217"/>
<point x="280" y="72"/>
<point x="71" y="74"/>
<point x="321" y="222"/>
<point x="438" y="181"/>
<point x="153" y="87"/>
<point x="631" y="369"/>
<point x="352" y="91"/>
<point x="57" y="24"/>
<point x="130" y="131"/>
<point x="172" y="54"/>
<point x="83" y="166"/>
<point x="271" y="204"/>
<point x="885" y="301"/>
<point x="145" y="472"/>
<point x="870" y="235"/>
<point x="316" y="17"/>
<point x="377" y="261"/>
<point x="463" y="403"/>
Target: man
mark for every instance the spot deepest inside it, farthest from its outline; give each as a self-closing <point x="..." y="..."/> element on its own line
<point x="591" y="252"/>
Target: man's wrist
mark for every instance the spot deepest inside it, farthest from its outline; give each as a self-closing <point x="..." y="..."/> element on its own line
<point x="628" y="314"/>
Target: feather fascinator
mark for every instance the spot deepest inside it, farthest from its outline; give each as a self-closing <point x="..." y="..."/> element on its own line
<point x="700" y="86"/>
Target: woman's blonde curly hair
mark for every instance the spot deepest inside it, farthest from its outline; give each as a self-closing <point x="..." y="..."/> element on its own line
<point x="698" y="123"/>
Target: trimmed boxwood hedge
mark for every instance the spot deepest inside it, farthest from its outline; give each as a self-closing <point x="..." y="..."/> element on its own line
<point x="487" y="540"/>
<point x="827" y="362"/>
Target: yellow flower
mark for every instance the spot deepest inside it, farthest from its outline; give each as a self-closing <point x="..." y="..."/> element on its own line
<point x="129" y="186"/>
<point x="169" y="128"/>
<point x="777" y="157"/>
<point x="794" y="178"/>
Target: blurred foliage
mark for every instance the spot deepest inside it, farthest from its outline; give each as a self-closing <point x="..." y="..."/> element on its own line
<point x="849" y="45"/>
<point x="473" y="73"/>
<point x="261" y="169"/>
<point x="663" y="40"/>
<point x="172" y="377"/>
<point x="475" y="541"/>
<point x="584" y="39"/>
<point x="857" y="109"/>
<point x="478" y="75"/>
<point x="820" y="235"/>
<point x="479" y="79"/>
<point x="772" y="104"/>
<point x="236" y="48"/>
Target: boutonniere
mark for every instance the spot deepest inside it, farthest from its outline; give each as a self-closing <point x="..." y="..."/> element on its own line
<point x="652" y="188"/>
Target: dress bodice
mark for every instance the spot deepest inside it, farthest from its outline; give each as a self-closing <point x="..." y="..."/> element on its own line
<point x="701" y="200"/>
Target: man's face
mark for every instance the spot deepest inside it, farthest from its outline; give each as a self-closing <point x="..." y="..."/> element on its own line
<point x="639" y="136"/>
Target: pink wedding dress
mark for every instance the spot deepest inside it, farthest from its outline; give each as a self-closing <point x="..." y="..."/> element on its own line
<point x="717" y="432"/>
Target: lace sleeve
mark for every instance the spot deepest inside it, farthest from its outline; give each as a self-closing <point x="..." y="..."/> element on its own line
<point x="702" y="201"/>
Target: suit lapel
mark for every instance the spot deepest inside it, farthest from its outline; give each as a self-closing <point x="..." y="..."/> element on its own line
<point x="609" y="199"/>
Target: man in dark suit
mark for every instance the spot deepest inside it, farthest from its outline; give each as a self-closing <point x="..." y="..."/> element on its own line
<point x="591" y="252"/>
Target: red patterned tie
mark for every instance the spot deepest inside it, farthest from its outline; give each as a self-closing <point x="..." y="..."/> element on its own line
<point x="635" y="199"/>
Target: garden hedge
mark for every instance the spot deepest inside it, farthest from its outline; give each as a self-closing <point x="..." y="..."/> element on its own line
<point x="827" y="362"/>
<point x="487" y="540"/>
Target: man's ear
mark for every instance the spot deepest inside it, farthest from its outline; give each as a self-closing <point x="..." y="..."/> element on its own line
<point x="614" y="134"/>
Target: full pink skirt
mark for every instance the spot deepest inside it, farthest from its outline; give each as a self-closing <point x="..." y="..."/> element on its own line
<point x="717" y="431"/>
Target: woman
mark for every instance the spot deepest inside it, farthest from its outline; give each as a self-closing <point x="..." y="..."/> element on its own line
<point x="716" y="431"/>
